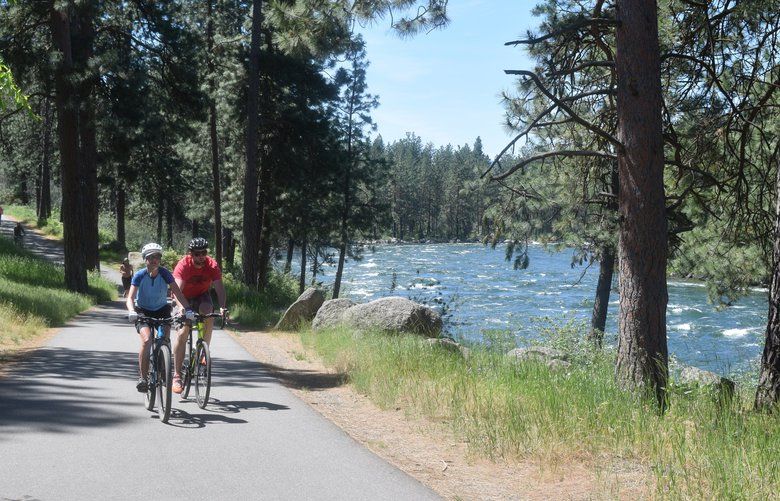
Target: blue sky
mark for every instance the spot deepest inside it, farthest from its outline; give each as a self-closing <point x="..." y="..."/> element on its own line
<point x="445" y="85"/>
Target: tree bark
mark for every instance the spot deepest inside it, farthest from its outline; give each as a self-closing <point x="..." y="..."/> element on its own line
<point x="67" y="129"/>
<point x="121" y="207"/>
<point x="606" y="271"/>
<point x="302" y="281"/>
<point x="160" y="213"/>
<point x="250" y="240"/>
<point x="642" y="360"/>
<point x="169" y="221"/>
<point x="83" y="50"/>
<point x="44" y="180"/>
<point x="768" y="391"/>
<point x="229" y="244"/>
<point x="215" y="167"/>
<point x="290" y="250"/>
<point x="598" y="320"/>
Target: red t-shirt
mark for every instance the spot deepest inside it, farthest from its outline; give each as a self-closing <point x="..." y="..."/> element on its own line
<point x="196" y="281"/>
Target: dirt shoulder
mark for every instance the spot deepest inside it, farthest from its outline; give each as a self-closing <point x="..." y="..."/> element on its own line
<point x="425" y="450"/>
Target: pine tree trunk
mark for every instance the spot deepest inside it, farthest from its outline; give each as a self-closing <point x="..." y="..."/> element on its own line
<point x="83" y="38"/>
<point x="121" y="207"/>
<point x="160" y="214"/>
<point x="315" y="264"/>
<point x="606" y="270"/>
<point x="229" y="244"/>
<point x="215" y="168"/>
<point x="642" y="360"/>
<point x="290" y="250"/>
<point x="43" y="192"/>
<point x="598" y="320"/>
<point x="302" y="281"/>
<point x="768" y="391"/>
<point x="250" y="240"/>
<point x="67" y="130"/>
<point x="169" y="221"/>
<point x="195" y="227"/>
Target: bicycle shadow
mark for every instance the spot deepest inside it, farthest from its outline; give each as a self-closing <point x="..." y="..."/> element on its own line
<point x="183" y="419"/>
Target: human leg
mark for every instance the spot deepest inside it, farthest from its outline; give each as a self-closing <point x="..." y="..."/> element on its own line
<point x="206" y="307"/>
<point x="145" y="333"/>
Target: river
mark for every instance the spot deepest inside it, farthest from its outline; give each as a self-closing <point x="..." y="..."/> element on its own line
<point x="482" y="294"/>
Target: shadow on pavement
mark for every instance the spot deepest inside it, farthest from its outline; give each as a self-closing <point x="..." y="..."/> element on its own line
<point x="59" y="389"/>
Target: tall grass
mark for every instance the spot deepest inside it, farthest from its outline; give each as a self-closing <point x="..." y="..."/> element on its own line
<point x="33" y="294"/>
<point x="260" y="309"/>
<point x="697" y="449"/>
<point x="26" y="214"/>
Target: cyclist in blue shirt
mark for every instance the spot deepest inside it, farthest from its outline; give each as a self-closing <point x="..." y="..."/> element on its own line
<point x="149" y="296"/>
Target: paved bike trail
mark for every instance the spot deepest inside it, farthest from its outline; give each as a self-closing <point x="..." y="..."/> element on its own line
<point x="72" y="427"/>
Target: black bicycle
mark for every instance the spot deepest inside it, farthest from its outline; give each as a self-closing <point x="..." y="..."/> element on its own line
<point x="159" y="376"/>
<point x="197" y="363"/>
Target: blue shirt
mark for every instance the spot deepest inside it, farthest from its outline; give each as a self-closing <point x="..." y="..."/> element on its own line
<point x="152" y="291"/>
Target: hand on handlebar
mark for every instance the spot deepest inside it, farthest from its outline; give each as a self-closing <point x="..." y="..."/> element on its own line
<point x="189" y="315"/>
<point x="132" y="317"/>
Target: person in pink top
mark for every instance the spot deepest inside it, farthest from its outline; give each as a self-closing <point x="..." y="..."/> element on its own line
<point x="195" y="274"/>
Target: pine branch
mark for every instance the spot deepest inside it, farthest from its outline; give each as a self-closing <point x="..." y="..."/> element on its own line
<point x="582" y="23"/>
<point x="588" y="125"/>
<point x="547" y="154"/>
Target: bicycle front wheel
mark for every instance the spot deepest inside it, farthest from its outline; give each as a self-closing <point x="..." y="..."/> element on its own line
<point x="151" y="378"/>
<point x="203" y="375"/>
<point x="164" y="382"/>
<point x="186" y="369"/>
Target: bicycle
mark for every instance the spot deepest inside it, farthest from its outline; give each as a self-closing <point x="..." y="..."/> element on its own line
<point x="197" y="362"/>
<point x="159" y="376"/>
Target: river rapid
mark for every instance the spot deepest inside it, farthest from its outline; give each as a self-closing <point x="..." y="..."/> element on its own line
<point x="481" y="295"/>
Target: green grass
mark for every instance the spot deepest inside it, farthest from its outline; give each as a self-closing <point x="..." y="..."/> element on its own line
<point x="254" y="309"/>
<point x="33" y="295"/>
<point x="26" y="214"/>
<point x="696" y="450"/>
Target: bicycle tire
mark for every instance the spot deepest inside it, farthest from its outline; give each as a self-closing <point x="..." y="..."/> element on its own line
<point x="203" y="375"/>
<point x="186" y="369"/>
<point x="150" y="397"/>
<point x="165" y="383"/>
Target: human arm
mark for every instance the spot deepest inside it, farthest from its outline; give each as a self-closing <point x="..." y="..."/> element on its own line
<point x="132" y="316"/>
<point x="179" y="295"/>
<point x="179" y="282"/>
<point x="219" y="288"/>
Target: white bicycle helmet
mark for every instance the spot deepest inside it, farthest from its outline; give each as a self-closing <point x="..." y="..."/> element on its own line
<point x="150" y="249"/>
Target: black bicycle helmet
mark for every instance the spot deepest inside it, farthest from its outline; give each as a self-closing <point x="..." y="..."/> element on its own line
<point x="198" y="243"/>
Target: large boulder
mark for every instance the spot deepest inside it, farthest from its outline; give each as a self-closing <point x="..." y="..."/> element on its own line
<point x="448" y="344"/>
<point x="709" y="381"/>
<point x="302" y="310"/>
<point x="331" y="313"/>
<point x="554" y="359"/>
<point x="395" y="314"/>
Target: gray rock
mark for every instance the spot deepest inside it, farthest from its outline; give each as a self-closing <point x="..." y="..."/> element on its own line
<point x="539" y="354"/>
<point x="136" y="260"/>
<point x="449" y="345"/>
<point x="693" y="376"/>
<point x="331" y="313"/>
<point x="395" y="314"/>
<point x="302" y="310"/>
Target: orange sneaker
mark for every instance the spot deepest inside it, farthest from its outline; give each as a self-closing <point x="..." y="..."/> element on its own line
<point x="177" y="387"/>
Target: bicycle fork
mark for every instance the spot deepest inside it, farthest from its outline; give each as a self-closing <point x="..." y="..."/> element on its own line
<point x="159" y="338"/>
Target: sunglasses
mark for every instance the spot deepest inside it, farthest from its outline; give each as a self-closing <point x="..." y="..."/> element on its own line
<point x="199" y="253"/>
<point x="154" y="257"/>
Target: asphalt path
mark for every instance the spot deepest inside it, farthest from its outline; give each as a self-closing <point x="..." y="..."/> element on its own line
<point x="73" y="427"/>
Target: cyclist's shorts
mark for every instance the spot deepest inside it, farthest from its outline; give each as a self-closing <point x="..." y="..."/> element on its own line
<point x="163" y="312"/>
<point x="197" y="301"/>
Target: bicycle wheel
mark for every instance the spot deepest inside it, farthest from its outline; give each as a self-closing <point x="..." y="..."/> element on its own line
<point x="186" y="369"/>
<point x="151" y="379"/>
<point x="203" y="375"/>
<point x="164" y="382"/>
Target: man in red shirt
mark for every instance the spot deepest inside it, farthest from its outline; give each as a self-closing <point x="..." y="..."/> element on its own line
<point x="195" y="273"/>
